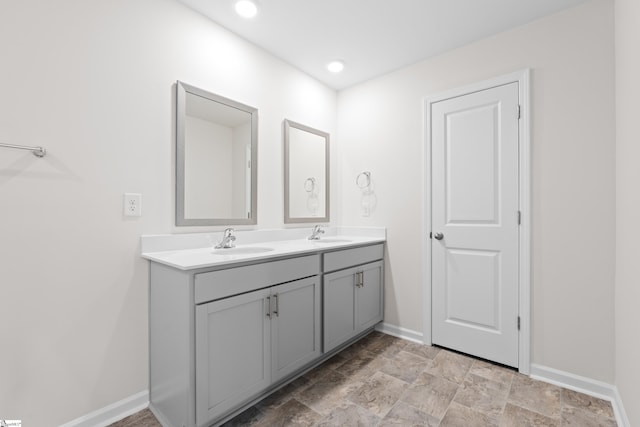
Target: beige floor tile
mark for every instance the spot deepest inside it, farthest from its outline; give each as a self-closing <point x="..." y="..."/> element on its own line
<point x="515" y="416"/>
<point x="391" y="348"/>
<point x="378" y="394"/>
<point x="331" y="364"/>
<point x="406" y="366"/>
<point x="450" y="366"/>
<point x="144" y="418"/>
<point x="360" y="366"/>
<point x="430" y="394"/>
<point x="405" y="415"/>
<point x="318" y="372"/>
<point x="422" y="350"/>
<point x="492" y="371"/>
<point x="597" y="407"/>
<point x="282" y="396"/>
<point x="371" y="340"/>
<point x="483" y="395"/>
<point x="291" y="414"/>
<point x="460" y="416"/>
<point x="536" y="395"/>
<point x="381" y="344"/>
<point x="575" y="417"/>
<point x="349" y="414"/>
<point x="328" y="393"/>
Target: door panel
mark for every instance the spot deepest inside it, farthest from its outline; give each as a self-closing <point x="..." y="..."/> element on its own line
<point x="471" y="176"/>
<point x="295" y="325"/>
<point x="339" y="307"/>
<point x="471" y="301"/>
<point x="475" y="206"/>
<point x="369" y="296"/>
<point x="233" y="358"/>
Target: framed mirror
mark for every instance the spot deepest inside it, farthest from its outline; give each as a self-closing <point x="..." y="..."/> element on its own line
<point x="216" y="159"/>
<point x="306" y="174"/>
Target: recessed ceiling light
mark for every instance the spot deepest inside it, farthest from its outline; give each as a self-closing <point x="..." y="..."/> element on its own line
<point x="335" y="66"/>
<point x="246" y="8"/>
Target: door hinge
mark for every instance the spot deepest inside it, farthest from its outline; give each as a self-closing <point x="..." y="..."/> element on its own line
<point x="518" y="112"/>
<point x="519" y="217"/>
<point x="518" y="322"/>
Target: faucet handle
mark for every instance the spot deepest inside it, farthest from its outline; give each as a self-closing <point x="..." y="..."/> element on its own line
<point x="228" y="232"/>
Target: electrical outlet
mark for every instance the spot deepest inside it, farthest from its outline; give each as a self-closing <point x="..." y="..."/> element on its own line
<point x="132" y="204"/>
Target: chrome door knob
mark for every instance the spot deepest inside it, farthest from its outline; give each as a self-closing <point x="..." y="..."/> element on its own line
<point x="438" y="236"/>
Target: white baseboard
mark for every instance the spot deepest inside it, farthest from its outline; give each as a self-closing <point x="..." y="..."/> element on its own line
<point x="584" y="385"/>
<point x="399" y="332"/>
<point x="618" y="409"/>
<point x="112" y="413"/>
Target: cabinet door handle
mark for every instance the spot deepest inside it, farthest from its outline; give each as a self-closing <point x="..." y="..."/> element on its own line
<point x="359" y="279"/>
<point x="268" y="306"/>
<point x="277" y="310"/>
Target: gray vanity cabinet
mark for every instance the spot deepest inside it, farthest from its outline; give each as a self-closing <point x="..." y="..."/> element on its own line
<point x="233" y="352"/>
<point x="249" y="342"/>
<point x="353" y="297"/>
<point x="223" y="337"/>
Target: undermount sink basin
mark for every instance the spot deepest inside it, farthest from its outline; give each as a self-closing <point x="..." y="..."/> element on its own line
<point x="241" y="250"/>
<point x="332" y="240"/>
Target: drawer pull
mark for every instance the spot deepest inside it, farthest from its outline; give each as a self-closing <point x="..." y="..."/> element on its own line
<point x="276" y="311"/>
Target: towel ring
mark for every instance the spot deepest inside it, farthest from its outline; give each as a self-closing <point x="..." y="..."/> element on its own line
<point x="363" y="180"/>
<point x="309" y="185"/>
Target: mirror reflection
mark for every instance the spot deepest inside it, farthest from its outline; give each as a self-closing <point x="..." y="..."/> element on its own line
<point x="306" y="174"/>
<point x="216" y="159"/>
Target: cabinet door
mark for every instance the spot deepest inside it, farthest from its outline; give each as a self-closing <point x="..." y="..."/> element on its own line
<point x="369" y="296"/>
<point x="295" y="325"/>
<point x="339" y="307"/>
<point x="233" y="356"/>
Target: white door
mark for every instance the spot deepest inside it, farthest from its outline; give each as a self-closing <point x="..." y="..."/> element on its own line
<point x="475" y="222"/>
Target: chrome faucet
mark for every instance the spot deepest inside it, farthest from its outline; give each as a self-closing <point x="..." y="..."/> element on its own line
<point x="227" y="240"/>
<point x="317" y="229"/>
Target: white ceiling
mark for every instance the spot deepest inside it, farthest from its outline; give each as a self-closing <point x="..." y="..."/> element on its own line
<point x="372" y="37"/>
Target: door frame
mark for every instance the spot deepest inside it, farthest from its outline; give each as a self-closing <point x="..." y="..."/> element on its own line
<point x="522" y="77"/>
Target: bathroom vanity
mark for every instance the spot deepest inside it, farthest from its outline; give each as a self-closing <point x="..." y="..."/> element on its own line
<point x="228" y="328"/>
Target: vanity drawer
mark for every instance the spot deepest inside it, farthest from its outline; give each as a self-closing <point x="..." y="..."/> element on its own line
<point x="224" y="283"/>
<point x="351" y="257"/>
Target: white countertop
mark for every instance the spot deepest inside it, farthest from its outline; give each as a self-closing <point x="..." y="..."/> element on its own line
<point x="192" y="251"/>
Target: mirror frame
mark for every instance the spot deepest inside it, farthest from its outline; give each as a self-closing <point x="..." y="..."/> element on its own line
<point x="181" y="110"/>
<point x="287" y="218"/>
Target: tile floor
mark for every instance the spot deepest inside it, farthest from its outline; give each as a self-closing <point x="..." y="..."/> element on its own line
<point x="386" y="381"/>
